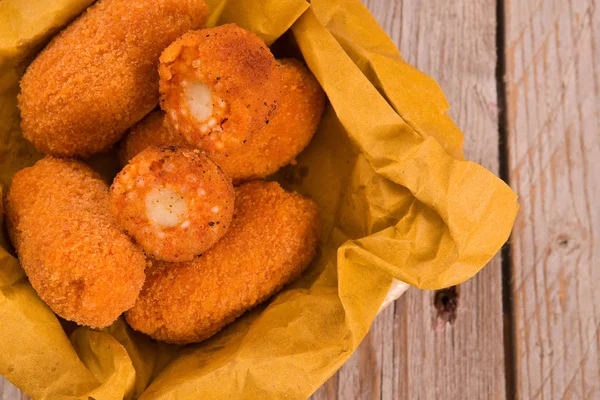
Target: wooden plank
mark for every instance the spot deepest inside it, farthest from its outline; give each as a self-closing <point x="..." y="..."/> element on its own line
<point x="553" y="89"/>
<point x="411" y="353"/>
<point x="10" y="392"/>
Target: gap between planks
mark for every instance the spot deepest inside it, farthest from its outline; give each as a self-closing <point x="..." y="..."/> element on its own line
<point x="506" y="253"/>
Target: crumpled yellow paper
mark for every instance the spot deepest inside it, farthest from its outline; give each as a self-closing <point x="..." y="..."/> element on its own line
<point x="397" y="201"/>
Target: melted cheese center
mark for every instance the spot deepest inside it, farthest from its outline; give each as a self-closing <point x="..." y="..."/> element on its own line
<point x="166" y="207"/>
<point x="199" y="100"/>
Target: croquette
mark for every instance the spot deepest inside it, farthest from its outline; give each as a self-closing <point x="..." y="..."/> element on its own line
<point x="275" y="145"/>
<point x="218" y="86"/>
<point x="153" y="130"/>
<point x="273" y="238"/>
<point x="288" y="132"/>
<point x="99" y="76"/>
<point x="76" y="257"/>
<point x="175" y="202"/>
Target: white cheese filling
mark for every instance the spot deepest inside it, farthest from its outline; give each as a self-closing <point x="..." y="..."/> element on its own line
<point x="199" y="100"/>
<point x="166" y="207"/>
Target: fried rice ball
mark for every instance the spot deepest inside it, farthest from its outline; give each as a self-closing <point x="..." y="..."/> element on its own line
<point x="218" y="86"/>
<point x="275" y="145"/>
<point x="175" y="202"/>
<point x="98" y="76"/>
<point x="273" y="238"/>
<point x="288" y="132"/>
<point x="153" y="130"/>
<point x="76" y="257"/>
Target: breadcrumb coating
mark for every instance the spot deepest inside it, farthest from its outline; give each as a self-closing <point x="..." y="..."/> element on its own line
<point x="98" y="77"/>
<point x="289" y="131"/>
<point x="273" y="238"/>
<point x="76" y="257"/>
<point x="153" y="130"/>
<point x="175" y="202"/>
<point x="218" y="86"/>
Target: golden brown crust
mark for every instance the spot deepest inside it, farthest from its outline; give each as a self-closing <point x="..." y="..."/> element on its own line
<point x="76" y="257"/>
<point x="193" y="199"/>
<point x="98" y="76"/>
<point x="241" y="74"/>
<point x="273" y="238"/>
<point x="289" y="131"/>
<point x="153" y="130"/>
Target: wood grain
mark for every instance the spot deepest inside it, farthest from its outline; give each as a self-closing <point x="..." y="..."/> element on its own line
<point x="553" y="88"/>
<point x="410" y="353"/>
<point x="9" y="392"/>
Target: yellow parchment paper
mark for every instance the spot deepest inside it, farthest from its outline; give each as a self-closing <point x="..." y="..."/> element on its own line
<point x="397" y="201"/>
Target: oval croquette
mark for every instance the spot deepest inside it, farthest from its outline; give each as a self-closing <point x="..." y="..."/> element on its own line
<point x="289" y="131"/>
<point x="273" y="238"/>
<point x="76" y="257"/>
<point x="218" y="86"/>
<point x="99" y="76"/>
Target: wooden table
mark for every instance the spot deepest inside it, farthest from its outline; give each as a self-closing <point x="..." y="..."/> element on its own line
<point x="523" y="77"/>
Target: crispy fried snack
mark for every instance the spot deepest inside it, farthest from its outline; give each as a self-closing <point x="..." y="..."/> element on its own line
<point x="273" y="238"/>
<point x="98" y="76"/>
<point x="175" y="202"/>
<point x="153" y="130"/>
<point x="275" y="145"/>
<point x="289" y="131"/>
<point x="75" y="255"/>
<point x="218" y="86"/>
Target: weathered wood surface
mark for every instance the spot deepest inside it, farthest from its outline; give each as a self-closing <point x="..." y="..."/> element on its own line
<point x="553" y="92"/>
<point x="410" y="353"/>
<point x="9" y="392"/>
